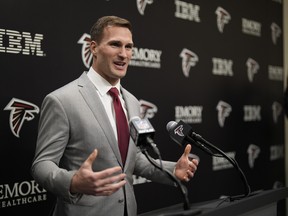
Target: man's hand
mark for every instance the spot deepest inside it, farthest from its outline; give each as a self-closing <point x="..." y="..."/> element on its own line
<point x="103" y="183"/>
<point x="185" y="168"/>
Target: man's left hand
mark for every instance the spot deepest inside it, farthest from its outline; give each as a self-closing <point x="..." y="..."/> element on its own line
<point x="185" y="168"/>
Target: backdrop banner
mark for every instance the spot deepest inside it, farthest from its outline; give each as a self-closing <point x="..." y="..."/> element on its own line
<point x="215" y="65"/>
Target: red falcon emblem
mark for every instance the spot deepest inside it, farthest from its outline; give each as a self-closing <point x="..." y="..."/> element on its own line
<point x="189" y="59"/>
<point x="179" y="130"/>
<point x="141" y="5"/>
<point x="85" y="52"/>
<point x="147" y="109"/>
<point x="19" y="112"/>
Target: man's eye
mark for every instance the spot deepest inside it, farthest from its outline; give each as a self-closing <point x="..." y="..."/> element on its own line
<point x="129" y="47"/>
<point x="115" y="44"/>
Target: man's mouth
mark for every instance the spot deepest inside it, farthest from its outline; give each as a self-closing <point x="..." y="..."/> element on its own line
<point x="120" y="64"/>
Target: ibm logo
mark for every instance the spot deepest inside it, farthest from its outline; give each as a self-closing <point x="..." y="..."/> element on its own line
<point x="14" y="42"/>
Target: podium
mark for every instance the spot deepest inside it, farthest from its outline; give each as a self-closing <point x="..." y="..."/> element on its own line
<point x="262" y="203"/>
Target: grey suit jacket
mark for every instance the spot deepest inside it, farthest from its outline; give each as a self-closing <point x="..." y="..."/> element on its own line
<point x="72" y="124"/>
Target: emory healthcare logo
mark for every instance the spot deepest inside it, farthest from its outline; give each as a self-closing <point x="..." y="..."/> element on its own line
<point x="189" y="59"/>
<point x="20" y="111"/>
<point x="21" y="193"/>
<point x="223" y="17"/>
<point x="251" y="27"/>
<point x="141" y="5"/>
<point x="144" y="57"/>
<point x="224" y="110"/>
<point x="189" y="114"/>
<point x="85" y="51"/>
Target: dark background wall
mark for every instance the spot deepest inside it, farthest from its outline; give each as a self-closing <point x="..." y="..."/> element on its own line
<point x="216" y="65"/>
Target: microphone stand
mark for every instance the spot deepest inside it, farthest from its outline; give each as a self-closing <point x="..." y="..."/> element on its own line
<point x="178" y="184"/>
<point x="222" y="154"/>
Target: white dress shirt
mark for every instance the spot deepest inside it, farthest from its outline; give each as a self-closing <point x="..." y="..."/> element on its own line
<point x="102" y="87"/>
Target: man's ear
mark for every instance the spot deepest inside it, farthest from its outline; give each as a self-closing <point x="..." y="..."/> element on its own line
<point x="93" y="47"/>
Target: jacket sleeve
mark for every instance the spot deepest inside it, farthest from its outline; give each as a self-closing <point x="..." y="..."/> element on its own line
<point x="53" y="135"/>
<point x="146" y="169"/>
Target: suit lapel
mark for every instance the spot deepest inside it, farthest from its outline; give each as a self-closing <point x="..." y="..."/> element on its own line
<point x="129" y="105"/>
<point x="87" y="89"/>
<point x="132" y="110"/>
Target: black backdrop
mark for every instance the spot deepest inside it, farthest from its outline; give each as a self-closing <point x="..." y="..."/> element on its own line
<point x="217" y="65"/>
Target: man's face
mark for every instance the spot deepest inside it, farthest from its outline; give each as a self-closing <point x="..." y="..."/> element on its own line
<point x="113" y="53"/>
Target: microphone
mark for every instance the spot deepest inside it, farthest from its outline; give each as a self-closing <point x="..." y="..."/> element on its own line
<point x="182" y="133"/>
<point x="141" y="131"/>
<point x="142" y="134"/>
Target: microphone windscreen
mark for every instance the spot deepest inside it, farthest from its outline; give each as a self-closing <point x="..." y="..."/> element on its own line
<point x="171" y="125"/>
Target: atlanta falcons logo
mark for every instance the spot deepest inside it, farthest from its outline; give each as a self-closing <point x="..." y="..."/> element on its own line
<point x="141" y="5"/>
<point x="179" y="130"/>
<point x="275" y="32"/>
<point x="85" y="52"/>
<point x="253" y="152"/>
<point x="189" y="59"/>
<point x="252" y="68"/>
<point x="276" y="110"/>
<point x="148" y="109"/>
<point x="224" y="110"/>
<point x="223" y="17"/>
<point x="19" y="112"/>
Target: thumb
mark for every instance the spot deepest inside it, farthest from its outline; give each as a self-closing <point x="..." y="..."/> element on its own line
<point x="187" y="150"/>
<point x="89" y="161"/>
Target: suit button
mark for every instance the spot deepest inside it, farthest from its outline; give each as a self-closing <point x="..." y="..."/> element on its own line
<point x="120" y="200"/>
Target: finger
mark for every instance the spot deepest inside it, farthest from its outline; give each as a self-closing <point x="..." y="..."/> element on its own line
<point x="89" y="161"/>
<point x="192" y="167"/>
<point x="111" y="180"/>
<point x="110" y="172"/>
<point x="109" y="189"/>
<point x="190" y="174"/>
<point x="186" y="178"/>
<point x="187" y="150"/>
<point x="195" y="161"/>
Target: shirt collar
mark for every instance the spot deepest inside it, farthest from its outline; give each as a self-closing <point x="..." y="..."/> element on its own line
<point x="102" y="85"/>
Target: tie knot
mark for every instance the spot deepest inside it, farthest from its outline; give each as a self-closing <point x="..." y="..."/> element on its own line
<point x="114" y="92"/>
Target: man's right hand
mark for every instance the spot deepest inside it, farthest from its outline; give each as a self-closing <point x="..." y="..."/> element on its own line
<point x="103" y="183"/>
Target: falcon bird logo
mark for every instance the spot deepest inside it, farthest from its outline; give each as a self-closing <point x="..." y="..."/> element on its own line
<point x="276" y="109"/>
<point x="148" y="109"/>
<point x="276" y="32"/>
<point x="252" y="68"/>
<point x="141" y="5"/>
<point x="189" y="59"/>
<point x="253" y="152"/>
<point x="224" y="110"/>
<point x="20" y="111"/>
<point x="179" y="131"/>
<point x="85" y="52"/>
<point x="223" y="17"/>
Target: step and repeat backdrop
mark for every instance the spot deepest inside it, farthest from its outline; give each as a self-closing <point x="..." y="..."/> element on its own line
<point x="216" y="65"/>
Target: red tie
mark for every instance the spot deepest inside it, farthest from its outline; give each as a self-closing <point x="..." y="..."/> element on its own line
<point x="121" y="123"/>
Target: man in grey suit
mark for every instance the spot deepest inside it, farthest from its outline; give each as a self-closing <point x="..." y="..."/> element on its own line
<point x="77" y="156"/>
